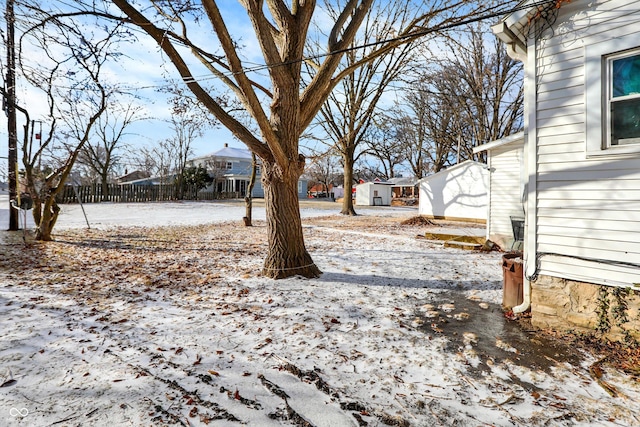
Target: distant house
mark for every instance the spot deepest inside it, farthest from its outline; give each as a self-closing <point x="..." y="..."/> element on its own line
<point x="132" y="176"/>
<point x="404" y="187"/>
<point x="459" y="192"/>
<point x="505" y="161"/>
<point x="230" y="169"/>
<point x="322" y="190"/>
<point x="373" y="194"/>
<point x="150" y="180"/>
<point x="582" y="156"/>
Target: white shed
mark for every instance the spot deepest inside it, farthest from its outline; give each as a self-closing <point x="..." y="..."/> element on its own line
<point x="506" y="188"/>
<point x="458" y="192"/>
<point x="373" y="194"/>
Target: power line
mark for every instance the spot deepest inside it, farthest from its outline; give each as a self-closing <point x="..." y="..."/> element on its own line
<point x="262" y="67"/>
<point x="413" y="35"/>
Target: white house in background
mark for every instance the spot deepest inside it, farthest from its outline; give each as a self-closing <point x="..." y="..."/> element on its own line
<point x="582" y="155"/>
<point x="373" y="194"/>
<point x="505" y="215"/>
<point x="459" y="192"/>
<point x="230" y="169"/>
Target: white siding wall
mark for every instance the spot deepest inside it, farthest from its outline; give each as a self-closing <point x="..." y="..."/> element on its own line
<point x="365" y="194"/>
<point x="457" y="192"/>
<point x="587" y="207"/>
<point x="505" y="197"/>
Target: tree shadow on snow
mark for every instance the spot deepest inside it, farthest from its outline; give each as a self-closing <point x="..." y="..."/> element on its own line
<point x="399" y="282"/>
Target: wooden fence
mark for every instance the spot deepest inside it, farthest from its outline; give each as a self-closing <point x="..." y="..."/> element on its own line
<point x="128" y="193"/>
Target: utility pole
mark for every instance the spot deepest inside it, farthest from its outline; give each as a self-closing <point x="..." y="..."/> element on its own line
<point x="11" y="115"/>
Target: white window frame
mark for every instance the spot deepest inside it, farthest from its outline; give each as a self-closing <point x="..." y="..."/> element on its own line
<point x="597" y="87"/>
<point x="610" y="100"/>
<point x="223" y="165"/>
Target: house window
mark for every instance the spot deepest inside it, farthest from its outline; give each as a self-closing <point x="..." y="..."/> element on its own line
<point x="224" y="165"/>
<point x="623" y="98"/>
<point x="612" y="89"/>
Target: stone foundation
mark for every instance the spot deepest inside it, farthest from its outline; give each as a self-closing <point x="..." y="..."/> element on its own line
<point x="562" y="304"/>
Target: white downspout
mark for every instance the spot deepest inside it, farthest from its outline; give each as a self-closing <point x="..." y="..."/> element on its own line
<point x="530" y="159"/>
<point x="488" y="184"/>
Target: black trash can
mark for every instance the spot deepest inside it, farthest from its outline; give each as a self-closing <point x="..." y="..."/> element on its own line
<point x="513" y="279"/>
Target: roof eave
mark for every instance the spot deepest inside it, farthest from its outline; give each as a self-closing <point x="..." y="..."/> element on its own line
<point x="499" y="142"/>
<point x="453" y="168"/>
<point x="510" y="28"/>
<point x="516" y="44"/>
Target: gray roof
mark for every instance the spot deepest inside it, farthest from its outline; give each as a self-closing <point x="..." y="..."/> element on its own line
<point x="236" y="153"/>
<point x="403" y="181"/>
<point x="229" y="153"/>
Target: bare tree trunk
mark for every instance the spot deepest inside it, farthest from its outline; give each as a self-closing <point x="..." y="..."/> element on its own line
<point x="287" y="255"/>
<point x="248" y="206"/>
<point x="33" y="191"/>
<point x="104" y="180"/>
<point x="248" y="198"/>
<point x="48" y="220"/>
<point x="347" y="201"/>
<point x="179" y="186"/>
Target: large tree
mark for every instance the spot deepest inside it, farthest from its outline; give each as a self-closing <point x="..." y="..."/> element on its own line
<point x="188" y="122"/>
<point x="281" y="107"/>
<point x="100" y="155"/>
<point x="490" y="89"/>
<point x="428" y="122"/>
<point x="323" y="169"/>
<point x="472" y="96"/>
<point x="384" y="145"/>
<point x="348" y="113"/>
<point x="72" y="58"/>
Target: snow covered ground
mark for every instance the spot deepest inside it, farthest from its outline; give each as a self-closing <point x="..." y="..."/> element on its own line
<point x="131" y="324"/>
<point x="104" y="215"/>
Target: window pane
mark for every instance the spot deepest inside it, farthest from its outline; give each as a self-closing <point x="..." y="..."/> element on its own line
<point x="626" y="76"/>
<point x="625" y="122"/>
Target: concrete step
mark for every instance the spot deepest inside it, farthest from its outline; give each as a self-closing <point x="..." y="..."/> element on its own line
<point x="463" y="245"/>
<point x="455" y="237"/>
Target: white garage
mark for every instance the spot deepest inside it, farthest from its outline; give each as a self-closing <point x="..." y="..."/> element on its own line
<point x="373" y="194"/>
<point x="506" y="188"/>
<point x="459" y="192"/>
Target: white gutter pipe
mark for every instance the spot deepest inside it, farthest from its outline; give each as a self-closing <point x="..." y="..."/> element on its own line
<point x="530" y="148"/>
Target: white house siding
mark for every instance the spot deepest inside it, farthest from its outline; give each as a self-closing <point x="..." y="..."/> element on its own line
<point x="505" y="196"/>
<point x="586" y="207"/>
<point x="458" y="192"/>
